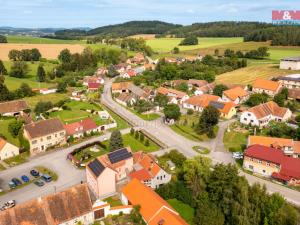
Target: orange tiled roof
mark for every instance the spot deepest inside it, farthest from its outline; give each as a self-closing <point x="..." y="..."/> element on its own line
<point x="150" y="165"/>
<point x="227" y="107"/>
<point x="269" y="108"/>
<point x="202" y="100"/>
<point x="121" y="85"/>
<point x="266" y="84"/>
<point x="235" y="93"/>
<point x="153" y="207"/>
<point x="2" y="143"/>
<point x="166" y="91"/>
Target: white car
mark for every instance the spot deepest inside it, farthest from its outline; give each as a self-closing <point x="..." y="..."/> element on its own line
<point x="8" y="205"/>
<point x="237" y="155"/>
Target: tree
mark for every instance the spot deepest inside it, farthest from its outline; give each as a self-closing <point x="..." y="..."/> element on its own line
<point x="279" y="99"/>
<point x="35" y="54"/>
<point x="116" y="141"/>
<point x="132" y="131"/>
<point x="3" y="70"/>
<point x="172" y="111"/>
<point x="65" y="56"/>
<point x="208" y="119"/>
<point x="41" y="74"/>
<point x="219" y="88"/>
<point x="19" y="69"/>
<point x="147" y="143"/>
<point x="14" y="55"/>
<point x="257" y="98"/>
<point x="61" y="87"/>
<point x="14" y="127"/>
<point x="42" y="107"/>
<point x="192" y="40"/>
<point x="3" y="39"/>
<point x="161" y="100"/>
<point x="176" y="50"/>
<point x="5" y="95"/>
<point x="182" y="87"/>
<point x="24" y="91"/>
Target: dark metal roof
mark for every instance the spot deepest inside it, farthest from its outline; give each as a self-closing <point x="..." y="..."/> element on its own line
<point x="217" y="105"/>
<point x="294" y="59"/>
<point x="296" y="79"/>
<point x="119" y="155"/>
<point x="96" y="167"/>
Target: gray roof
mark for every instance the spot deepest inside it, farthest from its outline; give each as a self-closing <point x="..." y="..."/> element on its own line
<point x="217" y="105"/>
<point x="294" y="59"/>
<point x="136" y="90"/>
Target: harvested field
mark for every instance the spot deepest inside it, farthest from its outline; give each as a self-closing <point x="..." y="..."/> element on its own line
<point x="49" y="51"/>
<point x="144" y="36"/>
<point x="248" y="74"/>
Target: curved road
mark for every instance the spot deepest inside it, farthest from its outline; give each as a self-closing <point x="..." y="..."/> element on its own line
<point x="218" y="153"/>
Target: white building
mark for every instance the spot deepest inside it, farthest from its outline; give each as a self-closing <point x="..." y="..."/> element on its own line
<point x="290" y="81"/>
<point x="7" y="150"/>
<point x="291" y="63"/>
<point x="262" y="114"/>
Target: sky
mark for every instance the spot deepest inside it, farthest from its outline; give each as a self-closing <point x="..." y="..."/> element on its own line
<point x="95" y="13"/>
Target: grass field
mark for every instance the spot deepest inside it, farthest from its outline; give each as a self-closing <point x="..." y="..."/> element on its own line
<point x="4" y="122"/>
<point x="186" y="127"/>
<point x="54" y="98"/>
<point x="13" y="83"/>
<point x="167" y="44"/>
<point x="38" y="40"/>
<point x="185" y="211"/>
<point x="248" y="74"/>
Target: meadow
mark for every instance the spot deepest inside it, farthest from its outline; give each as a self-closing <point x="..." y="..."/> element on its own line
<point x="162" y="45"/>
<point x="248" y="74"/>
<point x="14" y="83"/>
<point x="39" y="40"/>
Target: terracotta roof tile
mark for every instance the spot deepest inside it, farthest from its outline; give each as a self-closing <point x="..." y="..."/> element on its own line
<point x="170" y="91"/>
<point x="80" y="127"/>
<point x="2" y="143"/>
<point x="294" y="93"/>
<point x="202" y="100"/>
<point x="152" y="205"/>
<point x="235" y="93"/>
<point x="269" y="108"/>
<point x="44" y="127"/>
<point x="13" y="106"/>
<point x="266" y="84"/>
<point x="121" y="86"/>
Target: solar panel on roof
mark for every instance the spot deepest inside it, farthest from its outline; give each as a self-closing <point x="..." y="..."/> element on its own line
<point x="96" y="167"/>
<point x="119" y="155"/>
<point x="217" y="105"/>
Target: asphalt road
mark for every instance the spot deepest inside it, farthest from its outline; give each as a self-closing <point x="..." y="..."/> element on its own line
<point x="218" y="152"/>
<point x="68" y="175"/>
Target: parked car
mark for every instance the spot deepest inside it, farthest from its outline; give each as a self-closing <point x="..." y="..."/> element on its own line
<point x="12" y="185"/>
<point x="46" y="177"/>
<point x="16" y="181"/>
<point x="34" y="173"/>
<point x="25" y="178"/>
<point x="8" y="205"/>
<point x="39" y="183"/>
<point x="237" y="155"/>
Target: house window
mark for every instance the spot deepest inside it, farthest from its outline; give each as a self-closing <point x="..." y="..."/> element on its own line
<point x="268" y="163"/>
<point x="34" y="142"/>
<point x="264" y="171"/>
<point x="245" y="119"/>
<point x="259" y="161"/>
<point x="250" y="167"/>
<point x="49" y="137"/>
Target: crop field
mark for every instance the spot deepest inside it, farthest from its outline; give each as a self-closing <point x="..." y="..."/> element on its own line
<point x="13" y="83"/>
<point x="49" y="51"/>
<point x="249" y="74"/>
<point x="162" y="45"/>
<point x="38" y="40"/>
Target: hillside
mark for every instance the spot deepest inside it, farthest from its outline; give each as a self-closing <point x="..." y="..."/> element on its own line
<point x="134" y="27"/>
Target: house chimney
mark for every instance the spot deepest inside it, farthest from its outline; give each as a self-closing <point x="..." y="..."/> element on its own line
<point x="161" y="222"/>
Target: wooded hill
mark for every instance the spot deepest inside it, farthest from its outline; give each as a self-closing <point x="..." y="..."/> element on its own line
<point x="251" y="31"/>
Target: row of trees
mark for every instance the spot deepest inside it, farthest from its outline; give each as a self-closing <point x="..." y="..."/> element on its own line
<point x="220" y="196"/>
<point x="260" y="53"/>
<point x="24" y="55"/>
<point x="136" y="44"/>
<point x="206" y="69"/>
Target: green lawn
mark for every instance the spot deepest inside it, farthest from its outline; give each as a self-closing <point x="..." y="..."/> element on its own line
<point x="186" y="127"/>
<point x="148" y="117"/>
<point x="19" y="159"/>
<point x="54" y="98"/>
<point x="13" y="83"/>
<point x="167" y="44"/>
<point x="235" y="140"/>
<point x="93" y="154"/>
<point x="137" y="145"/>
<point x="185" y="211"/>
<point x="113" y="201"/>
<point x="4" y="122"/>
<point x="278" y="53"/>
<point x="38" y="40"/>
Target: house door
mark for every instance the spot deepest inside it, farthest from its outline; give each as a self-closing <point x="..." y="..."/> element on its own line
<point x="99" y="214"/>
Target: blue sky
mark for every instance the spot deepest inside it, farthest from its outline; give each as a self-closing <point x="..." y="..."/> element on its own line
<point x="94" y="13"/>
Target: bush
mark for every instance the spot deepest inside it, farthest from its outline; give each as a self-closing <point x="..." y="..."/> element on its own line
<point x="132" y="131"/>
<point x="192" y="40"/>
<point x="190" y="112"/>
<point x="147" y="142"/>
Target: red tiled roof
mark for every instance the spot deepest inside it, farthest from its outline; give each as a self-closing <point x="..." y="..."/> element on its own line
<point x="265" y="153"/>
<point x="94" y="85"/>
<point x="80" y="127"/>
<point x="202" y="100"/>
<point x="142" y="175"/>
<point x="290" y="167"/>
<point x="269" y="108"/>
<point x="266" y="84"/>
